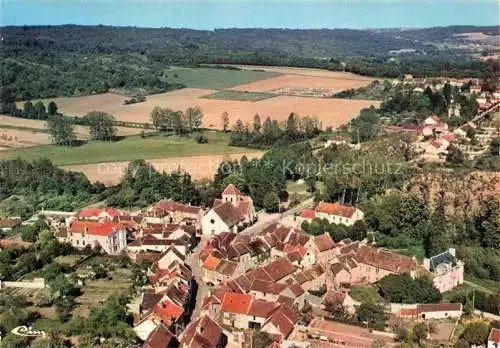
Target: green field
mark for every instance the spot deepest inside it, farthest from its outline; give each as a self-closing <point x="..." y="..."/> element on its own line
<point x="130" y="148"/>
<point x="211" y="78"/>
<point x="239" y="96"/>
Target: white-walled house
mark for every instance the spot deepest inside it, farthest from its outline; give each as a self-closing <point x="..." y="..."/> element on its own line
<point x="338" y="214"/>
<point x="233" y="210"/>
<point x="110" y="236"/>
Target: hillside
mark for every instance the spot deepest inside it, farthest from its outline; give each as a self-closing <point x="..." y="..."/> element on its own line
<point x="49" y="61"/>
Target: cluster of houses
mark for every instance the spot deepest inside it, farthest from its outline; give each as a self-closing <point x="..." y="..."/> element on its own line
<point x="260" y="281"/>
<point x="263" y="281"/>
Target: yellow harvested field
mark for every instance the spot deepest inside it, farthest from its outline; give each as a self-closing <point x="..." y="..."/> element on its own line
<point x="14" y="138"/>
<point x="307" y="72"/>
<point x="300" y="81"/>
<point x="200" y="167"/>
<point x="332" y="112"/>
<point x="82" y="132"/>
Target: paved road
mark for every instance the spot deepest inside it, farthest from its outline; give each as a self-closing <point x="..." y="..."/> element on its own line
<point x="193" y="259"/>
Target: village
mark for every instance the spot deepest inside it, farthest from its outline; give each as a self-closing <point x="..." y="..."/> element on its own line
<point x="217" y="277"/>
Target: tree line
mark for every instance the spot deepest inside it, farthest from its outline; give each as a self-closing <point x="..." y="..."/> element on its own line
<point x="179" y="122"/>
<point x="37" y="111"/>
<point x="271" y="132"/>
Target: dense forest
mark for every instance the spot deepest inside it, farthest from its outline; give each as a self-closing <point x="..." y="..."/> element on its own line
<point x="49" y="61"/>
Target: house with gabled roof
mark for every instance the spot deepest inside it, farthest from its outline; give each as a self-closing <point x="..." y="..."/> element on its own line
<point x="338" y="213"/>
<point x="281" y="322"/>
<point x="172" y="212"/>
<point x="203" y="333"/>
<point x="234" y="210"/>
<point x="447" y="271"/>
<point x="242" y="311"/>
<point x="111" y="237"/>
<point x="323" y="247"/>
<point x="161" y="337"/>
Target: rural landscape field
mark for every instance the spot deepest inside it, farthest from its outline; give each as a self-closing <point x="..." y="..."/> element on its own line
<point x="240" y="92"/>
<point x="245" y="174"/>
<point x="211" y="89"/>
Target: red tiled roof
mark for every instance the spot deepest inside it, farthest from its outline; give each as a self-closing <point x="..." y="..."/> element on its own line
<point x="95" y="228"/>
<point x="334" y="297"/>
<point x="228" y="213"/>
<point x="236" y="303"/>
<point x="168" y="311"/>
<point x="494" y="335"/>
<point x="336" y="209"/>
<point x="267" y="287"/>
<point x="438" y="307"/>
<point x="231" y="190"/>
<point x="89" y="212"/>
<point x="202" y="333"/>
<point x="211" y="262"/>
<point x="284" y="320"/>
<point x="449" y="137"/>
<point x="385" y="259"/>
<point x="279" y="268"/>
<point x="159" y="338"/>
<point x="262" y="309"/>
<point x="308" y="214"/>
<point x="324" y="242"/>
<point x="408" y="312"/>
<point x="113" y="212"/>
<point x="172" y="206"/>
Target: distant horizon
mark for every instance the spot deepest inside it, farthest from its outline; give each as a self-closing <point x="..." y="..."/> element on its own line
<point x="252" y="14"/>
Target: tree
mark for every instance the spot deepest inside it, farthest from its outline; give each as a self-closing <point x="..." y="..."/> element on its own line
<point x="438" y="237"/>
<point x="101" y="125"/>
<point x="256" y="124"/>
<point x="64" y="306"/>
<point x="261" y="339"/>
<point x="372" y="314"/>
<point x="52" y="108"/>
<point x="420" y="333"/>
<point x="29" y="109"/>
<point x="404" y="289"/>
<point x="225" y="121"/>
<point x="157" y="117"/>
<point x="476" y="333"/>
<point x="61" y="130"/>
<point x="194" y="118"/>
<point x="39" y="109"/>
<point x="238" y="126"/>
<point x="455" y="155"/>
<point x="271" y="202"/>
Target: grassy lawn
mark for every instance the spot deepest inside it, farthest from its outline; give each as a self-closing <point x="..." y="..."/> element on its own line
<point x="130" y="148"/>
<point x="414" y="250"/>
<point x="68" y="260"/>
<point x="95" y="292"/>
<point x="298" y="188"/>
<point x="487" y="285"/>
<point x="211" y="78"/>
<point x="365" y="294"/>
<point x="239" y="96"/>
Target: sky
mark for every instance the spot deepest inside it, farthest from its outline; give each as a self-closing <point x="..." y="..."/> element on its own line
<point x="211" y="14"/>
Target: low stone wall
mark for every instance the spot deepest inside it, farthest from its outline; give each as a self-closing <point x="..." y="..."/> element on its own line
<point x="37" y="283"/>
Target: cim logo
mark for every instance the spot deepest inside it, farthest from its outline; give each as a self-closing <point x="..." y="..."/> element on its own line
<point x="27" y="331"/>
